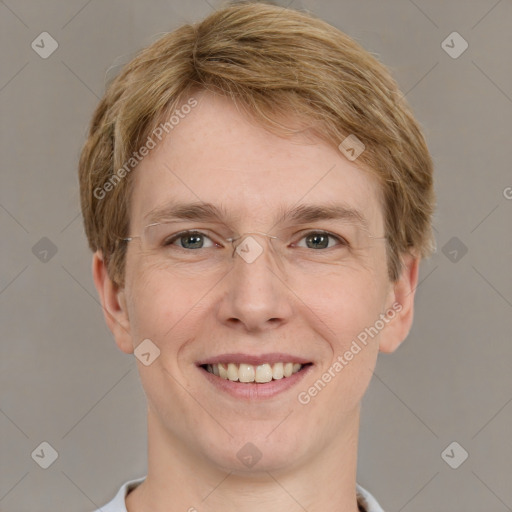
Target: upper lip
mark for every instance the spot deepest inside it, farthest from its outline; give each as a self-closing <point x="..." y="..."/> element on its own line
<point x="274" y="357"/>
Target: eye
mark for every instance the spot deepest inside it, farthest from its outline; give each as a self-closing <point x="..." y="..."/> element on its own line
<point x="321" y="239"/>
<point x="188" y="240"/>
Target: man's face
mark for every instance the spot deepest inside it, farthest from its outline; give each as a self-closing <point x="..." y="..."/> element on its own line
<point x="311" y="306"/>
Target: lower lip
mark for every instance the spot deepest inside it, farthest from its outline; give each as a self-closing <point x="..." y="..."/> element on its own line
<point x="254" y="391"/>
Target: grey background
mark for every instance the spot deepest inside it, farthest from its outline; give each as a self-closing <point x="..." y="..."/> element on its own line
<point x="63" y="380"/>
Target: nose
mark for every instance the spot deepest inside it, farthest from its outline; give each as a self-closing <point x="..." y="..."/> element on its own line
<point x="256" y="297"/>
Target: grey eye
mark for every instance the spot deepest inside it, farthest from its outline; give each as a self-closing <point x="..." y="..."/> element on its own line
<point x="320" y="240"/>
<point x="188" y="240"/>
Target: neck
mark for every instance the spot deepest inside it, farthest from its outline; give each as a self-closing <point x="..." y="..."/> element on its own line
<point x="179" y="479"/>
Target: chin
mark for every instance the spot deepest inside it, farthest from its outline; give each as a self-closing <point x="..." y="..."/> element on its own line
<point x="255" y="454"/>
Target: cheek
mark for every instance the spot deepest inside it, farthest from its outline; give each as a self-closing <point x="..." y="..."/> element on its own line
<point x="346" y="317"/>
<point x="163" y="304"/>
<point x="345" y="313"/>
<point x="346" y="299"/>
<point x="150" y="299"/>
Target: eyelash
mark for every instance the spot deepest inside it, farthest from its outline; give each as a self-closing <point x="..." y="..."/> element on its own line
<point x="170" y="241"/>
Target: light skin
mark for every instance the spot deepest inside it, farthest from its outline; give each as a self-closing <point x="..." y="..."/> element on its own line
<point x="313" y="310"/>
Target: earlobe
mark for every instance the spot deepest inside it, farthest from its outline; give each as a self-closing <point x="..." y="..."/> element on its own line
<point x="113" y="302"/>
<point x="401" y="302"/>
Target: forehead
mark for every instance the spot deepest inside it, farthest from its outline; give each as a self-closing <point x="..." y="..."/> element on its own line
<point x="217" y="155"/>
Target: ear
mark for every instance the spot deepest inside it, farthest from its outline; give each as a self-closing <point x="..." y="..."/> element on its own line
<point x="400" y="306"/>
<point x="113" y="302"/>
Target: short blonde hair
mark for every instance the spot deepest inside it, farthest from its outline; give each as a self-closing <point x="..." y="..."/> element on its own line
<point x="273" y="62"/>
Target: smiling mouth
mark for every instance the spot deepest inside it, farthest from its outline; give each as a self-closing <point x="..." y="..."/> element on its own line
<point x="248" y="373"/>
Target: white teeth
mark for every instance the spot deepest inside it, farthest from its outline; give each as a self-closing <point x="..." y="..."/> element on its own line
<point x="263" y="373"/>
<point x="244" y="372"/>
<point x="223" y="371"/>
<point x="277" y="371"/>
<point x="232" y="372"/>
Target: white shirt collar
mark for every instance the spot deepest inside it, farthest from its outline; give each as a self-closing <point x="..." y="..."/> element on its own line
<point x="118" y="504"/>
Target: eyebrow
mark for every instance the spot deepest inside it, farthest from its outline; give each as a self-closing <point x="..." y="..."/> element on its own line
<point x="302" y="213"/>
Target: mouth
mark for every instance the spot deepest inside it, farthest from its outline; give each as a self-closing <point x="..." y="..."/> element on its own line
<point x="249" y="373"/>
<point x="253" y="378"/>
